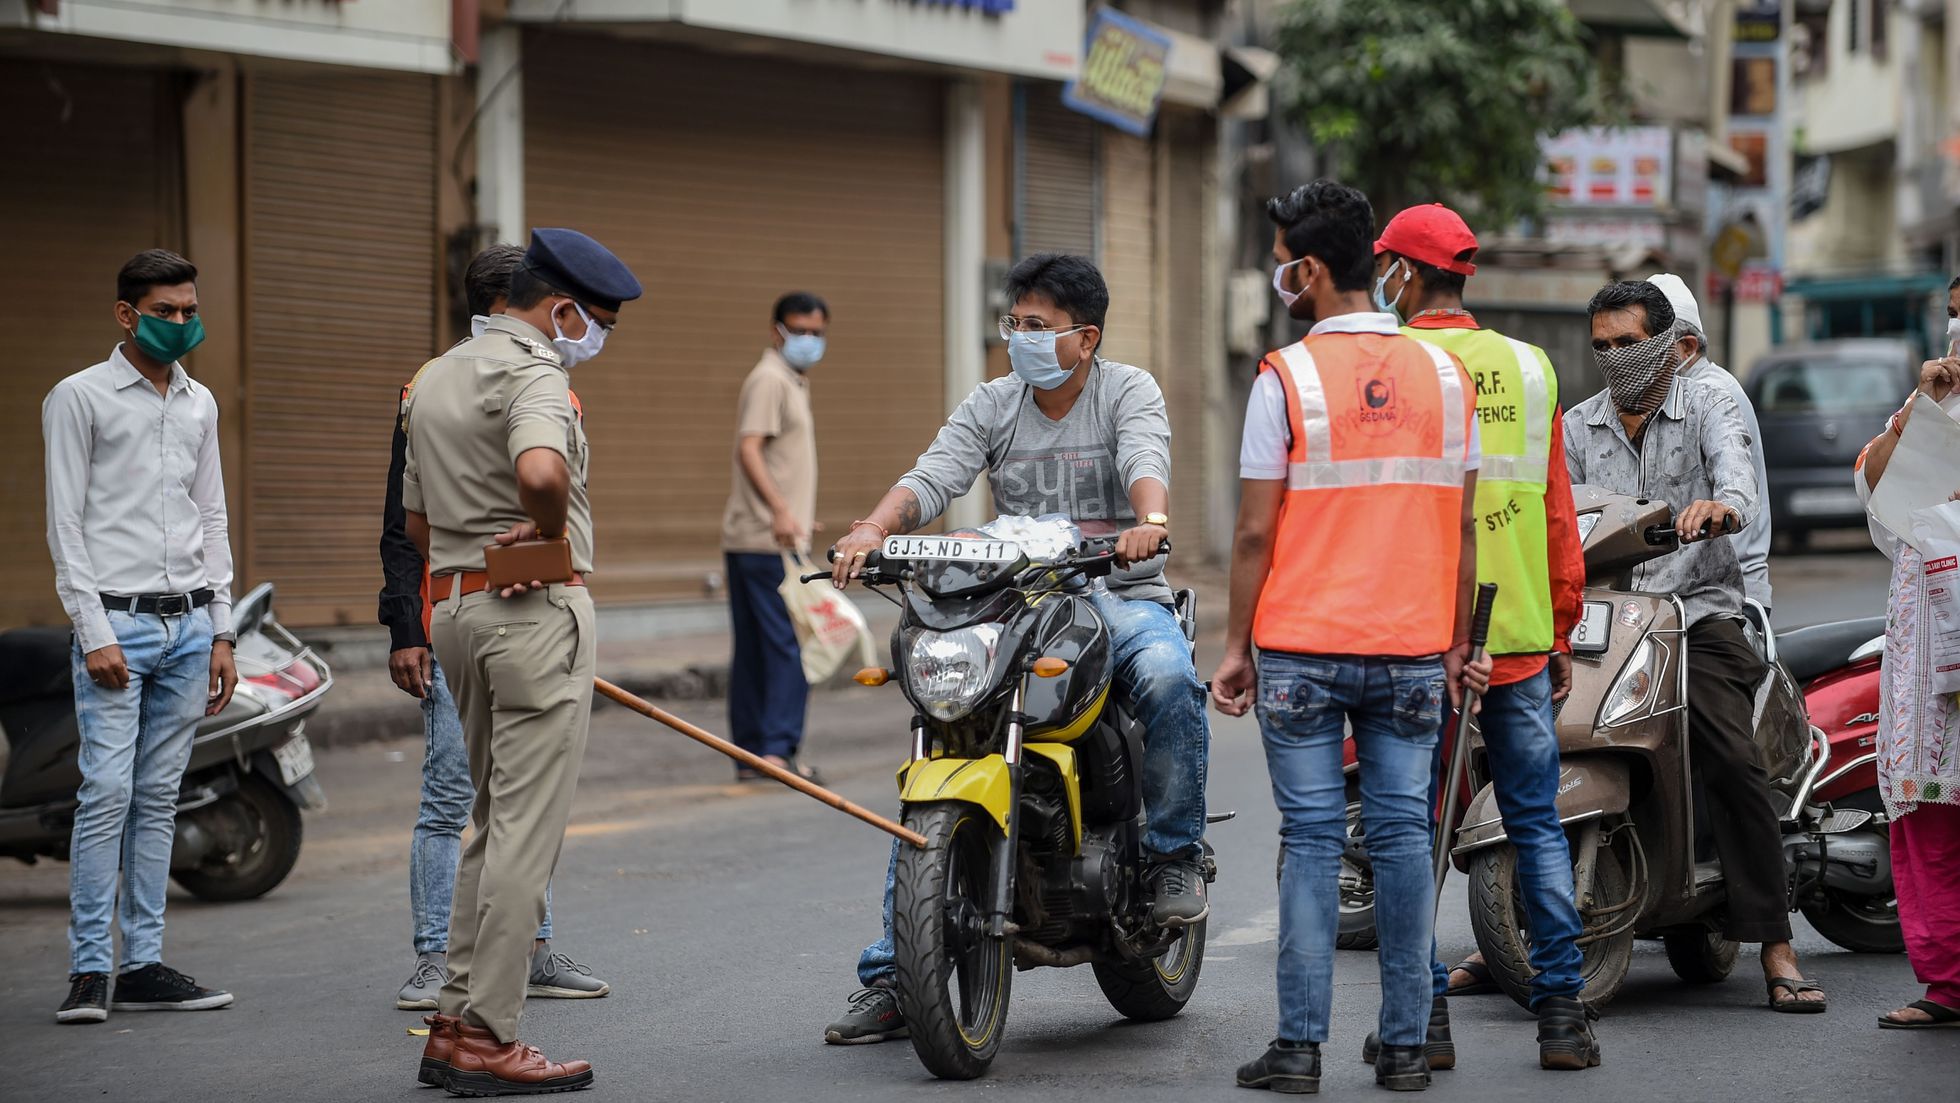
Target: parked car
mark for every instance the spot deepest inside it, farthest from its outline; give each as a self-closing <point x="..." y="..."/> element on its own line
<point x="1818" y="404"/>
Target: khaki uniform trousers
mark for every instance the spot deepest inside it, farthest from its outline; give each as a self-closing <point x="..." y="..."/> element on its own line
<point x="521" y="670"/>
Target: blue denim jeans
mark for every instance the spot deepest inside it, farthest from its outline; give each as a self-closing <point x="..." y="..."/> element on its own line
<point x="1161" y="690"/>
<point x="1395" y="707"/>
<point x="135" y="743"/>
<point x="437" y="844"/>
<point x="767" y="693"/>
<point x="1522" y="748"/>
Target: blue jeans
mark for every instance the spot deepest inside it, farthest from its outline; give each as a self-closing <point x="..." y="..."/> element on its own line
<point x="1522" y="748"/>
<point x="135" y="743"/>
<point x="1396" y="708"/>
<point x="1161" y="690"/>
<point x="767" y="693"/>
<point x="437" y="844"/>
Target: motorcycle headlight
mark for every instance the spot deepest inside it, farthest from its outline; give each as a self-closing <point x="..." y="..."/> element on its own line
<point x="1638" y="685"/>
<point x="951" y="671"/>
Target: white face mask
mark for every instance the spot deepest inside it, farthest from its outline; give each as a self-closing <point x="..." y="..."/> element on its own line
<point x="573" y="353"/>
<point x="478" y="324"/>
<point x="1952" y="333"/>
<point x="1279" y="283"/>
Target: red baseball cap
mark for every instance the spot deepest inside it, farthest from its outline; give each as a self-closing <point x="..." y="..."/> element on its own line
<point x="1432" y="234"/>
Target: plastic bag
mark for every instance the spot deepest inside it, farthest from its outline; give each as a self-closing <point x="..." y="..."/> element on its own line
<point x="1936" y="533"/>
<point x="829" y="626"/>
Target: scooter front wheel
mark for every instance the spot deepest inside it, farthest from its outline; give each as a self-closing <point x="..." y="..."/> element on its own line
<point x="953" y="978"/>
<point x="1497" y="918"/>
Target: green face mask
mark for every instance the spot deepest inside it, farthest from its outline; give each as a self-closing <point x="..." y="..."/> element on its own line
<point x="167" y="342"/>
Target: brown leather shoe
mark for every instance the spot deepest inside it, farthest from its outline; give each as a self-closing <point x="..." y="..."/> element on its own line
<point x="435" y="1055"/>
<point x="481" y="1065"/>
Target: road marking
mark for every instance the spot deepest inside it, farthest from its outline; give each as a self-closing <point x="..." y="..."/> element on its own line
<point x="1263" y="928"/>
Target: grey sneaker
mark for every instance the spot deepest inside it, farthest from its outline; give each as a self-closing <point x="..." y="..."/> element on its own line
<point x="873" y="1017"/>
<point x="557" y="977"/>
<point x="1177" y="892"/>
<point x="431" y="973"/>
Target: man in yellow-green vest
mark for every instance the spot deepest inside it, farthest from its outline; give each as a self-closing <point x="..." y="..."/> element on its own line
<point x="1528" y="543"/>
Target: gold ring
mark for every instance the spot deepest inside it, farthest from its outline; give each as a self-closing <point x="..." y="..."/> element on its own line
<point x="860" y="555"/>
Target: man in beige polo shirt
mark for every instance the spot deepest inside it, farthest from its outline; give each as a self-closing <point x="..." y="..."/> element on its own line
<point x="772" y="509"/>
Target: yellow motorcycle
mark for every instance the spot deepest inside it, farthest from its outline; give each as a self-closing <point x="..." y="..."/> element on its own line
<point x="1026" y="778"/>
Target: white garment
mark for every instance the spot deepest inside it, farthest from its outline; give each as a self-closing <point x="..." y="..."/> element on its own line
<point x="136" y="498"/>
<point x="1263" y="447"/>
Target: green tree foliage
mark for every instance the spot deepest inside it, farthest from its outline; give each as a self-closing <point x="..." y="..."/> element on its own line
<point x="1417" y="101"/>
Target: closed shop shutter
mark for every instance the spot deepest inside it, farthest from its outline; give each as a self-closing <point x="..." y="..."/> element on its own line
<point x="340" y="285"/>
<point x="1054" y="175"/>
<point x="92" y="179"/>
<point x="1189" y="296"/>
<point x="1129" y="261"/>
<point x="725" y="182"/>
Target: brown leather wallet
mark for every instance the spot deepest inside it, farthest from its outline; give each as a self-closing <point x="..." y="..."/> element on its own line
<point x="528" y="561"/>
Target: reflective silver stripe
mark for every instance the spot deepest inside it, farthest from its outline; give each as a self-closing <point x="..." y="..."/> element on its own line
<point x="1456" y="436"/>
<point x="1513" y="469"/>
<point x="1317" y="428"/>
<point x="1537" y="415"/>
<point x="1379" y="471"/>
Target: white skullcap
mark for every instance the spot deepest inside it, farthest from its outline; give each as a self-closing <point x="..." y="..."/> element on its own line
<point x="1679" y="297"/>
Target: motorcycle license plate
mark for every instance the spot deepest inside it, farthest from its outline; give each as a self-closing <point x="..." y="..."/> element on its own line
<point x="1595" y="628"/>
<point x="952" y="549"/>
<point x="295" y="758"/>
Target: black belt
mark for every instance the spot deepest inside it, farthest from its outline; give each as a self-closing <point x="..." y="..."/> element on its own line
<point x="163" y="605"/>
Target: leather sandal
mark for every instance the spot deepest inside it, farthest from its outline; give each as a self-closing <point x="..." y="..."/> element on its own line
<point x="1939" y="1016"/>
<point x="1483" y="984"/>
<point x="1795" y="1004"/>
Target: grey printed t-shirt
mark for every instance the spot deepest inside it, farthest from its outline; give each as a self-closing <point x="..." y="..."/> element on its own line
<point x="1694" y="448"/>
<point x="1083" y="465"/>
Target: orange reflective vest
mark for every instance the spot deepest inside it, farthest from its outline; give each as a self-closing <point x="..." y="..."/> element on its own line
<point x="1371" y="528"/>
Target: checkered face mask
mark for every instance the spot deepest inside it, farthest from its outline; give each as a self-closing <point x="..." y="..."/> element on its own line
<point x="1638" y="375"/>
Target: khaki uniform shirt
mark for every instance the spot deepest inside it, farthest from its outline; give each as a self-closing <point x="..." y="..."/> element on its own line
<point x="775" y="404"/>
<point x="470" y="413"/>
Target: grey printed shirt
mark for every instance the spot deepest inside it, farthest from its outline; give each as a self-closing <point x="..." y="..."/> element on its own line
<point x="1695" y="448"/>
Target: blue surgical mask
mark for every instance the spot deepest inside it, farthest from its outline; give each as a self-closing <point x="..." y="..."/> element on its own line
<point x="572" y="353"/>
<point x="802" y="350"/>
<point x="1034" y="361"/>
<point x="479" y="324"/>
<point x="1382" y="302"/>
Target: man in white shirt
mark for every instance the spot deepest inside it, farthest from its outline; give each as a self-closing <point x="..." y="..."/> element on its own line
<point x="142" y="559"/>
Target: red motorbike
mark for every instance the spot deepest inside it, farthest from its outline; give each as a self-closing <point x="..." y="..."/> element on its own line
<point x="1836" y="665"/>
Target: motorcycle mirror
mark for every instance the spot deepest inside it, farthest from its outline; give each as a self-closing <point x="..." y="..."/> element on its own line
<point x="1049" y="667"/>
<point x="872" y="676"/>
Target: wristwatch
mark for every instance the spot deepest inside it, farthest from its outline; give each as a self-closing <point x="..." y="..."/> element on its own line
<point x="225" y="637"/>
<point x="1161" y="520"/>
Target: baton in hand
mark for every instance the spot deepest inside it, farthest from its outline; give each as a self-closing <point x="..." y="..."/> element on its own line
<point x="1460" y="744"/>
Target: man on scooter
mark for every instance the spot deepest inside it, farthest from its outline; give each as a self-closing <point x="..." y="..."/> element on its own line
<point x="1660" y="435"/>
<point x="1069" y="432"/>
<point x="1528" y="543"/>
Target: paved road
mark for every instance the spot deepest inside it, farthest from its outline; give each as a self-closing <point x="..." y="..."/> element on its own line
<point x="728" y="920"/>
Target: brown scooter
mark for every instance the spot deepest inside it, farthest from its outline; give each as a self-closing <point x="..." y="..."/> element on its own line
<point x="1626" y="792"/>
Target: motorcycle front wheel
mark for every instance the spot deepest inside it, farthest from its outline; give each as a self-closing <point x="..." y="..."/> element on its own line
<point x="1157" y="989"/>
<point x="1497" y="918"/>
<point x="953" y="979"/>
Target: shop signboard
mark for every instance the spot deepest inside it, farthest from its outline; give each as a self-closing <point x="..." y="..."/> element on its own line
<point x="1125" y="64"/>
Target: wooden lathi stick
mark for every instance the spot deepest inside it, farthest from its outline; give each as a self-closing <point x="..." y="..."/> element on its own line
<point x="757" y="762"/>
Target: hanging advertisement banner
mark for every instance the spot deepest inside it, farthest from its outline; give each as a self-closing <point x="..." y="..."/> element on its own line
<point x="1125" y="63"/>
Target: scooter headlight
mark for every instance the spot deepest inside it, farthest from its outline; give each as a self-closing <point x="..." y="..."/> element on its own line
<point x="1638" y="686"/>
<point x="950" y="671"/>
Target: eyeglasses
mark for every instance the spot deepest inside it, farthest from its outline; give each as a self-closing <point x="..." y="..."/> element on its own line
<point x="1010" y="325"/>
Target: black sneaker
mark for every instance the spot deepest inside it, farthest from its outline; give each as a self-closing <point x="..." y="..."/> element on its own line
<point x="88" y="999"/>
<point x="1177" y="894"/>
<point x="873" y="1017"/>
<point x="1438" y="1048"/>
<point x="158" y="987"/>
<point x="1289" y="1067"/>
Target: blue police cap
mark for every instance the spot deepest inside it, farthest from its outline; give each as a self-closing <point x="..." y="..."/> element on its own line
<point x="581" y="268"/>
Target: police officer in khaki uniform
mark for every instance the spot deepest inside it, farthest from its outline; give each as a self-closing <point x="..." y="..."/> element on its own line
<point x="496" y="454"/>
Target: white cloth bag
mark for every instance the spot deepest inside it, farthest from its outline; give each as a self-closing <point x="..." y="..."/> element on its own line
<point x="829" y="626"/>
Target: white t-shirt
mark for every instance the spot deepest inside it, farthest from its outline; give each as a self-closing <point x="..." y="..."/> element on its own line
<point x="1263" y="448"/>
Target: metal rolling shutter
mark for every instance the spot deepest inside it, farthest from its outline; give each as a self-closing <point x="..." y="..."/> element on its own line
<point x="1054" y="175"/>
<point x="1189" y="336"/>
<point x="725" y="182"/>
<point x="340" y="288"/>
<point x="92" y="179"/>
<point x="1129" y="260"/>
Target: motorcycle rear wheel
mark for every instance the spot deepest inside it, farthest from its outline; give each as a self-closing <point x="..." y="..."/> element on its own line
<point x="1497" y="919"/>
<point x="1862" y="925"/>
<point x="1157" y="989"/>
<point x="953" y="980"/>
<point x="1700" y="956"/>
<point x="258" y="828"/>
